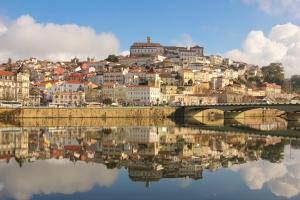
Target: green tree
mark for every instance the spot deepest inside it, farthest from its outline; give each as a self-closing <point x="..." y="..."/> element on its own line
<point x="295" y="83"/>
<point x="273" y="73"/>
<point x="112" y="58"/>
<point x="273" y="153"/>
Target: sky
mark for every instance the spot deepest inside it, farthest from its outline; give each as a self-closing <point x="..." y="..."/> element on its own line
<point x="255" y="31"/>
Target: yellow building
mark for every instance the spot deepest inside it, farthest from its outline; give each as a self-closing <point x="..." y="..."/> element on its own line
<point x="236" y="89"/>
<point x="168" y="89"/>
<point x="188" y="76"/>
<point x="201" y="88"/>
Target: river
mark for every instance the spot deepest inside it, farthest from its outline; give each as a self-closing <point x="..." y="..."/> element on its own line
<point x="255" y="158"/>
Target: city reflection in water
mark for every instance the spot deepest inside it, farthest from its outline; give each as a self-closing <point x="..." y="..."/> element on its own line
<point x="66" y="160"/>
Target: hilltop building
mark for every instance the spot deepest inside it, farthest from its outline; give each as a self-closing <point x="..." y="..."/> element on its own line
<point x="184" y="54"/>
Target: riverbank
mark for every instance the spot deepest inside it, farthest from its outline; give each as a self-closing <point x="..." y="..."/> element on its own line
<point x="104" y="112"/>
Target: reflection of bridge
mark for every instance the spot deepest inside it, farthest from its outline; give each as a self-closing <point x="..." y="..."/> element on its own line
<point x="233" y="110"/>
<point x="238" y="129"/>
<point x="269" y="125"/>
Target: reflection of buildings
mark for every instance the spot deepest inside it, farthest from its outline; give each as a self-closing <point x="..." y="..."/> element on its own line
<point x="65" y="136"/>
<point x="13" y="143"/>
<point x="265" y="123"/>
<point x="149" y="153"/>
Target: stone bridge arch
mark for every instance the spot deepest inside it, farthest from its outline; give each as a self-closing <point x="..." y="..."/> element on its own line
<point x="292" y="111"/>
<point x="256" y="112"/>
<point x="204" y="112"/>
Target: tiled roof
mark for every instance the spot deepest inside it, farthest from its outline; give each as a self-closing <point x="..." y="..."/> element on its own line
<point x="73" y="82"/>
<point x="6" y="73"/>
<point x="141" y="44"/>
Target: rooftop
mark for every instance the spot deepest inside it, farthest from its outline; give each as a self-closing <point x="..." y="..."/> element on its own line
<point x="6" y="73"/>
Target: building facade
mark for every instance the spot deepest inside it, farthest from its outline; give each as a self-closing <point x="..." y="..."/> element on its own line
<point x="143" y="95"/>
<point x="146" y="48"/>
<point x="14" y="86"/>
<point x="69" y="98"/>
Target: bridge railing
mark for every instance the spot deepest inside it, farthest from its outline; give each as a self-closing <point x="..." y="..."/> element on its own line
<point x="244" y="104"/>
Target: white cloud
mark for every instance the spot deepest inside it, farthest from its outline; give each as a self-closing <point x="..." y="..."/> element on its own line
<point x="278" y="7"/>
<point x="24" y="37"/>
<point x="52" y="176"/>
<point x="125" y="53"/>
<point x="256" y="174"/>
<point x="185" y="183"/>
<point x="281" y="45"/>
<point x="185" y="40"/>
<point x="286" y="187"/>
<point x="283" y="179"/>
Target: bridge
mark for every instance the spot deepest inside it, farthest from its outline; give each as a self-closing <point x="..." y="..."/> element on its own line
<point x="232" y="110"/>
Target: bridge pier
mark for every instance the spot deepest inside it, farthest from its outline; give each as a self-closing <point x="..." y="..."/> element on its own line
<point x="232" y="114"/>
<point x="292" y="116"/>
<point x="239" y="111"/>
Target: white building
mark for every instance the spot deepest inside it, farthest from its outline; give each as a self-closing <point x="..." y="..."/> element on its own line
<point x="143" y="135"/>
<point x="231" y="74"/>
<point x="215" y="60"/>
<point x="14" y="86"/>
<point x="131" y="79"/>
<point x="146" y="49"/>
<point x="65" y="86"/>
<point x="219" y="83"/>
<point x="114" y="91"/>
<point x="143" y="95"/>
<point x="69" y="98"/>
<point x="114" y="77"/>
<point x="227" y="61"/>
<point x="185" y="54"/>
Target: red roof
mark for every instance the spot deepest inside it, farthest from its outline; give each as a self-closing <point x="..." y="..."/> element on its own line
<point x="271" y="85"/>
<point x="76" y="75"/>
<point x="6" y="73"/>
<point x="73" y="82"/>
<point x="72" y="147"/>
<point x="138" y="86"/>
<point x="58" y="70"/>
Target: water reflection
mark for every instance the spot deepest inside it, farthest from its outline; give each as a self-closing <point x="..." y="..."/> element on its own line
<point x="264" y="124"/>
<point x="67" y="160"/>
<point x="51" y="176"/>
<point x="282" y="178"/>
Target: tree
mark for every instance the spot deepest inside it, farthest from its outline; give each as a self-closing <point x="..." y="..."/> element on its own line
<point x="112" y="58"/>
<point x="295" y="83"/>
<point x="107" y="101"/>
<point x="273" y="153"/>
<point x="273" y="73"/>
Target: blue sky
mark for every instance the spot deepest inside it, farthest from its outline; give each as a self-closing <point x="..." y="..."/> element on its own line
<point x="253" y="31"/>
<point x="218" y="25"/>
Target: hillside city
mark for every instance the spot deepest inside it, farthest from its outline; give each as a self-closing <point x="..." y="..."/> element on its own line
<point x="152" y="74"/>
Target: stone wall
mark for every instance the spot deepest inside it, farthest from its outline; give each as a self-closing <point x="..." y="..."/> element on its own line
<point x="108" y="112"/>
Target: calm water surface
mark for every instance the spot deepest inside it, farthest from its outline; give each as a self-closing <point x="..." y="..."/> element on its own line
<point x="131" y="159"/>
